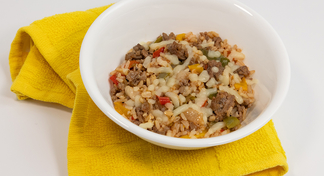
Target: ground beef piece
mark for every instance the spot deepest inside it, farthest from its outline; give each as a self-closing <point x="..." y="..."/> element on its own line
<point x="176" y="48"/>
<point x="157" y="105"/>
<point x="144" y="108"/>
<point x="168" y="37"/>
<point x="183" y="83"/>
<point x="136" y="122"/>
<point x="221" y="104"/>
<point x="134" y="77"/>
<point x="144" y="53"/>
<point x="205" y="35"/>
<point x="139" y="114"/>
<point x="162" y="130"/>
<point x="210" y="65"/>
<point x="113" y="91"/>
<point x="133" y="55"/>
<point x="197" y="44"/>
<point x="114" y="98"/>
<point x="193" y="126"/>
<point x="138" y="47"/>
<point x="121" y="86"/>
<point x="240" y="111"/>
<point x="217" y="41"/>
<point x="242" y="71"/>
<point x="138" y="52"/>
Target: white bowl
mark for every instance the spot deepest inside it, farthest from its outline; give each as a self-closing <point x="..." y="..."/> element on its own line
<point x="128" y="22"/>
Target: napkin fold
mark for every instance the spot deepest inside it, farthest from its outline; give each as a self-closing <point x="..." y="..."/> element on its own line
<point x="44" y="65"/>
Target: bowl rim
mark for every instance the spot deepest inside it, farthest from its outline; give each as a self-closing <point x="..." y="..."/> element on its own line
<point x="278" y="98"/>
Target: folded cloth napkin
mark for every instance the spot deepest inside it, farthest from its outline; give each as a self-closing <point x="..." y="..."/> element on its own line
<point x="44" y="61"/>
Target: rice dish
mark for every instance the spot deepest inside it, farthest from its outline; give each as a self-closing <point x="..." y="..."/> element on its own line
<point x="185" y="85"/>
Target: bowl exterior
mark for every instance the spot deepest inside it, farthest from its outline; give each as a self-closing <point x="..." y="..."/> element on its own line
<point x="128" y="22"/>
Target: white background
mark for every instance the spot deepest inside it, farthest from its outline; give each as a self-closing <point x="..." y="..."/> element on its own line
<point x="33" y="134"/>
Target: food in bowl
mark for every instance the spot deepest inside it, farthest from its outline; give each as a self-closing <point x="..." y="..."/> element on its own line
<point x="185" y="85"/>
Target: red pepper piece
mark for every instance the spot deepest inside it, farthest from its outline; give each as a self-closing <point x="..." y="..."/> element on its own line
<point x="164" y="100"/>
<point x="113" y="79"/>
<point x="158" y="52"/>
<point x="132" y="64"/>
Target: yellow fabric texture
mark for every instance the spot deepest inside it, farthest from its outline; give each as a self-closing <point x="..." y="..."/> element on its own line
<point x="44" y="61"/>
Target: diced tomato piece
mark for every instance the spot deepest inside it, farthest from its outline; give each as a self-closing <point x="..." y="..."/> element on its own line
<point x="158" y="52"/>
<point x="222" y="130"/>
<point x="132" y="64"/>
<point x="164" y="100"/>
<point x="113" y="79"/>
<point x="132" y="118"/>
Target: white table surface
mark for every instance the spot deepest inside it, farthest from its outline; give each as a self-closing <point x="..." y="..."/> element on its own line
<point x="34" y="134"/>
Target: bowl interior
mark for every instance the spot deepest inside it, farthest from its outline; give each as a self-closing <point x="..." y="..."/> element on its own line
<point x="129" y="22"/>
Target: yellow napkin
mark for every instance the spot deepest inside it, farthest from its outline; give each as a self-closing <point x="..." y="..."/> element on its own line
<point x="44" y="66"/>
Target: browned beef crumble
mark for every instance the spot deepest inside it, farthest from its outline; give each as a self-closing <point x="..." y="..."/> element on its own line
<point x="217" y="41"/>
<point x="221" y="104"/>
<point x="240" y="110"/>
<point x="168" y="37"/>
<point x="138" y="52"/>
<point x="136" y="122"/>
<point x="175" y="48"/>
<point x="210" y="65"/>
<point x="121" y="86"/>
<point x="144" y="53"/>
<point x="205" y="35"/>
<point x="161" y="131"/>
<point x="113" y="90"/>
<point x="134" y="77"/>
<point x="242" y="71"/>
<point x="138" y="47"/>
<point x="144" y="108"/>
<point x="193" y="126"/>
<point x="157" y="105"/>
<point x="116" y="89"/>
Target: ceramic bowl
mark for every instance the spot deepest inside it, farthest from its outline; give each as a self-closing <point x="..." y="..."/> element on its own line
<point x="129" y="22"/>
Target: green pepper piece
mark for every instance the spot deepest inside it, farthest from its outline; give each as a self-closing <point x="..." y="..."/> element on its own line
<point x="224" y="60"/>
<point x="212" y="95"/>
<point x="205" y="52"/>
<point x="212" y="58"/>
<point x="231" y="122"/>
<point x="190" y="98"/>
<point x="158" y="40"/>
<point x="163" y="75"/>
